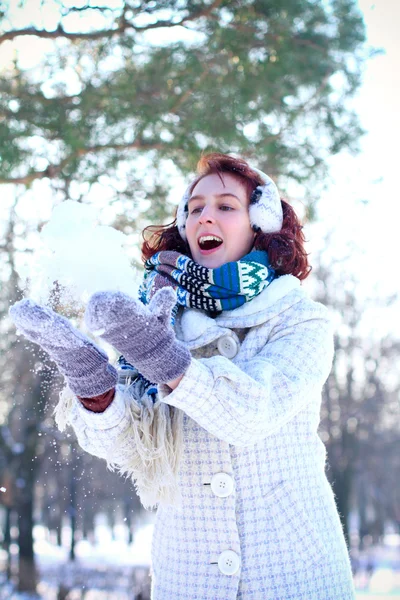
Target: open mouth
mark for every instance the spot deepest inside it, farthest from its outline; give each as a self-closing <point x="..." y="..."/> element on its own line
<point x="209" y="242"/>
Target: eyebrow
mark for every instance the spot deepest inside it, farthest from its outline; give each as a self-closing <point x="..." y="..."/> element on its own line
<point x="223" y="195"/>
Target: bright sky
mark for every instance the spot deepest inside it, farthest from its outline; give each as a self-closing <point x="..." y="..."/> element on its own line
<point x="363" y="202"/>
<point x="378" y="104"/>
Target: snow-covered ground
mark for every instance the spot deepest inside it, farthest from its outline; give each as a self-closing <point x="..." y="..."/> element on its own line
<point x="106" y="548"/>
<point x="108" y="568"/>
<point x="378" y="570"/>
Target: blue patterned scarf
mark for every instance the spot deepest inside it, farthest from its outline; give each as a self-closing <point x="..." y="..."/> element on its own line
<point x="213" y="290"/>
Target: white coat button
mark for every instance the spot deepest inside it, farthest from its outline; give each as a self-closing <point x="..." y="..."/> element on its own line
<point x="228" y="562"/>
<point x="227" y="346"/>
<point x="222" y="485"/>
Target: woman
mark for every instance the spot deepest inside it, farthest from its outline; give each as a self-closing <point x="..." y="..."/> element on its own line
<point x="225" y="441"/>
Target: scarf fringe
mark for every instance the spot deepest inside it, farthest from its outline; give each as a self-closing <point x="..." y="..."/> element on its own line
<point x="157" y="432"/>
<point x="62" y="411"/>
<point x="155" y="450"/>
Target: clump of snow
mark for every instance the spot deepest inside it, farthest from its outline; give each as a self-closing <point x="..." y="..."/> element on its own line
<point x="79" y="256"/>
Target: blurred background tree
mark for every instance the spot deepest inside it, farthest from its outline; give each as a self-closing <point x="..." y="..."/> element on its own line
<point x="164" y="81"/>
<point x="360" y="412"/>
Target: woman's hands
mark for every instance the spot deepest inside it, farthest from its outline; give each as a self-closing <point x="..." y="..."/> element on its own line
<point x="143" y="334"/>
<point x="84" y="365"/>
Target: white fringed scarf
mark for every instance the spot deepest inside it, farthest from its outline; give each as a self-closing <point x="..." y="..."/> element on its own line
<point x="156" y="432"/>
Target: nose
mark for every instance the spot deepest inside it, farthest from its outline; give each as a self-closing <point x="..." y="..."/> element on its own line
<point x="207" y="215"/>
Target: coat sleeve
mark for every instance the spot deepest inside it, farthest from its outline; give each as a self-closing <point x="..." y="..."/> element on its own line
<point x="132" y="435"/>
<point x="104" y="434"/>
<point x="109" y="434"/>
<point x="247" y="401"/>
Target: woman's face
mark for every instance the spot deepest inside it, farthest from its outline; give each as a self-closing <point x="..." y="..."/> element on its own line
<point x="218" y="227"/>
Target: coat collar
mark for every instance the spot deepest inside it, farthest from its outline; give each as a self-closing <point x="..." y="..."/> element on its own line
<point x="197" y="329"/>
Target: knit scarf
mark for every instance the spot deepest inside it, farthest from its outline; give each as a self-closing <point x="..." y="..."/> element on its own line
<point x="213" y="290"/>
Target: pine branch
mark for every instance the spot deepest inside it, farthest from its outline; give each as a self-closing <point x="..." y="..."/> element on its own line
<point x="123" y="26"/>
<point x="51" y="171"/>
<point x="184" y="97"/>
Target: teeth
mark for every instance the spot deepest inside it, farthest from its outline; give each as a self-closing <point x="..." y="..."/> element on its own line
<point x="209" y="238"/>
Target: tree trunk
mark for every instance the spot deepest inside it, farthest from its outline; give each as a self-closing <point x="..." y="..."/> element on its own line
<point x="128" y="521"/>
<point x="26" y="466"/>
<point x="27" y="569"/>
<point x="111" y="520"/>
<point x="72" y="506"/>
<point x="7" y="529"/>
<point x="7" y="540"/>
<point x="87" y="523"/>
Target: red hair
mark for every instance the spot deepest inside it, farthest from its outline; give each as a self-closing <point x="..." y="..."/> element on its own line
<point x="285" y="248"/>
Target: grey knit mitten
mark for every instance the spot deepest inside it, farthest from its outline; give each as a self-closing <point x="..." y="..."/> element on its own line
<point x="143" y="334"/>
<point x="84" y="365"/>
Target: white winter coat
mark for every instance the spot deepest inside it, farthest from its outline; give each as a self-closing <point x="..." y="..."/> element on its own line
<point x="258" y="518"/>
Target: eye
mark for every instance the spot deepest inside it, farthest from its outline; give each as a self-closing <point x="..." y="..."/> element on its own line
<point x="196" y="209"/>
<point x="225" y="207"/>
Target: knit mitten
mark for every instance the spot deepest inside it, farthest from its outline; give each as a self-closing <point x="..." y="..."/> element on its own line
<point x="143" y="334"/>
<point x="84" y="365"/>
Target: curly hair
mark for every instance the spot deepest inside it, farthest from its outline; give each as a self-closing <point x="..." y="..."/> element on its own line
<point x="285" y="248"/>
